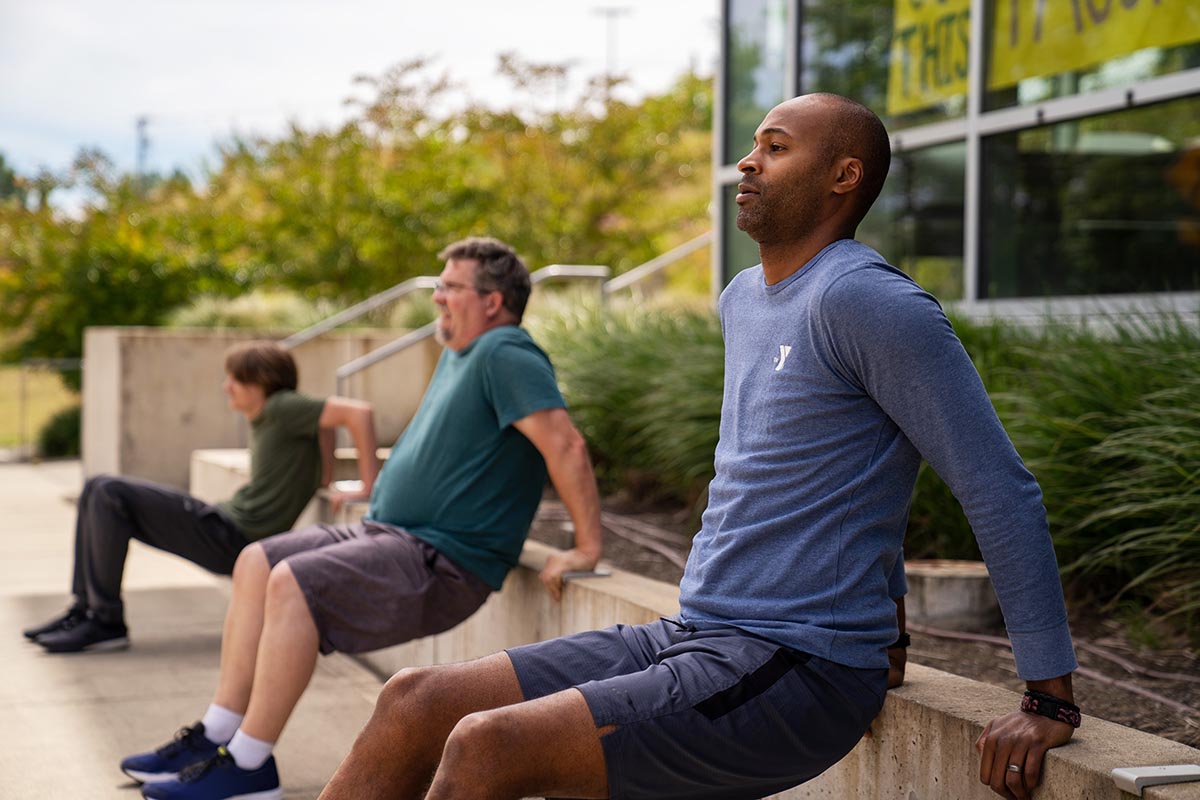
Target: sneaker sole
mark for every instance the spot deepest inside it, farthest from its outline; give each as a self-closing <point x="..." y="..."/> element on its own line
<point x="108" y="645"/>
<point x="269" y="794"/>
<point x="150" y="777"/>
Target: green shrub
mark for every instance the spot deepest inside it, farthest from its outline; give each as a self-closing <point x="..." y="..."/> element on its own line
<point x="644" y="387"/>
<point x="263" y="310"/>
<point x="59" y="437"/>
<point x="413" y="311"/>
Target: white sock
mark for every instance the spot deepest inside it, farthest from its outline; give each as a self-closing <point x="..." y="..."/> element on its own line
<point x="248" y="752"/>
<point x="220" y="723"/>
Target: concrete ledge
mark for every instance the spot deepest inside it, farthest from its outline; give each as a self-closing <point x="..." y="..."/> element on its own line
<point x="922" y="744"/>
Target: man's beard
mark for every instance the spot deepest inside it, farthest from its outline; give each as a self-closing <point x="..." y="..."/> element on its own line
<point x="790" y="215"/>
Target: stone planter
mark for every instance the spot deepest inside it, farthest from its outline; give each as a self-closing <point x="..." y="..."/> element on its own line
<point x="955" y="595"/>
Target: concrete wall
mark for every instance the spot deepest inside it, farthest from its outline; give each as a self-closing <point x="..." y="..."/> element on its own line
<point x="921" y="747"/>
<point x="152" y="396"/>
<point x="922" y="744"/>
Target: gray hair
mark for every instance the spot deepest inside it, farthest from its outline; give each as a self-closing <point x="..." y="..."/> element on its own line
<point x="500" y="269"/>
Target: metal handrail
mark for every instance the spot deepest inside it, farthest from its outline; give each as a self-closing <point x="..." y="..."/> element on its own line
<point x="654" y="265"/>
<point x="593" y="271"/>
<point x="351" y="368"/>
<point x="359" y="309"/>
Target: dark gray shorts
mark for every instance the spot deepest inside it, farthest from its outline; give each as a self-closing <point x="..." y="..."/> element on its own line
<point x="371" y="585"/>
<point x="706" y="714"/>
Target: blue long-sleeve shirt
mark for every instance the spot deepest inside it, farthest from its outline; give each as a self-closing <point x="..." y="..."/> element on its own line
<point x="838" y="380"/>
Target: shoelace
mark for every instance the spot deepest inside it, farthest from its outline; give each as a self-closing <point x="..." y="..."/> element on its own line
<point x="72" y="620"/>
<point x="183" y="738"/>
<point x="196" y="771"/>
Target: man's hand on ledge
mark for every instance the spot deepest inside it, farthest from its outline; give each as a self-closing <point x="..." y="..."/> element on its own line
<point x="574" y="560"/>
<point x="339" y="499"/>
<point x="1022" y="740"/>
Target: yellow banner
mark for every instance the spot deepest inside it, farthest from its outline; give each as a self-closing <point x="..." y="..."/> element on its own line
<point x="929" y="53"/>
<point x="1045" y="37"/>
<point x="1030" y="38"/>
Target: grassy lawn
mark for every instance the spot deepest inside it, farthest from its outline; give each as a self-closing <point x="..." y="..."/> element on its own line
<point x="44" y="394"/>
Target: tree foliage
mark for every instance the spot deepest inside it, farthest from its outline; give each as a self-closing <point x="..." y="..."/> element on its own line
<point x="336" y="214"/>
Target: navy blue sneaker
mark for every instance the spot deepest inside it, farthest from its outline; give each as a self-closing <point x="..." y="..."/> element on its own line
<point x="219" y="778"/>
<point x="189" y="746"/>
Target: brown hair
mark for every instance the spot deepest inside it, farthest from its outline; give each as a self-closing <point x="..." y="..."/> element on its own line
<point x="500" y="269"/>
<point x="265" y="364"/>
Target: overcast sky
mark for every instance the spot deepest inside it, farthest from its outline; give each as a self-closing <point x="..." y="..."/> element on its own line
<point x="77" y="73"/>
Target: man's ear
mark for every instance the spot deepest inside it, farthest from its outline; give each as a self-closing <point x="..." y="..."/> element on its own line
<point x="849" y="175"/>
<point x="495" y="304"/>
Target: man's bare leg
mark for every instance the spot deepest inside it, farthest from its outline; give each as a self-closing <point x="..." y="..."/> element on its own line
<point x="398" y="751"/>
<point x="544" y="747"/>
<point x="287" y="656"/>
<point x="243" y="627"/>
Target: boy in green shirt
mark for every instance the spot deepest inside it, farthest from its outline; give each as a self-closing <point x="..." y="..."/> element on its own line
<point x="287" y="463"/>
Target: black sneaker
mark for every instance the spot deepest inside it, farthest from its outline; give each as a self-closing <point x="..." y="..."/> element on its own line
<point x="73" y="616"/>
<point x="90" y="635"/>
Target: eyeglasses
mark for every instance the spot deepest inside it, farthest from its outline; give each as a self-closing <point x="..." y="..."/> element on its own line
<point x="452" y="286"/>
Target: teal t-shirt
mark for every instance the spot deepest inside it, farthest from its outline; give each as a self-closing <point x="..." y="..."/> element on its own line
<point x="461" y="477"/>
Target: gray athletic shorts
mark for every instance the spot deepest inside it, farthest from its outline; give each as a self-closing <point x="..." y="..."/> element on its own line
<point x="705" y="714"/>
<point x="371" y="585"/>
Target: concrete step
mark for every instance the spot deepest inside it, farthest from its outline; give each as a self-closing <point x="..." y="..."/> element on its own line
<point x="69" y="719"/>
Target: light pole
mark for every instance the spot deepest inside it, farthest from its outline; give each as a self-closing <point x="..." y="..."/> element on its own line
<point x="610" y="14"/>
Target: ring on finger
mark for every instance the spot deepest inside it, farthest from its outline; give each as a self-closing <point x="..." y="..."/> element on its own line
<point x="1015" y="768"/>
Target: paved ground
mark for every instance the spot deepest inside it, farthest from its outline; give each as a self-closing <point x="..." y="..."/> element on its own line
<point x="68" y="720"/>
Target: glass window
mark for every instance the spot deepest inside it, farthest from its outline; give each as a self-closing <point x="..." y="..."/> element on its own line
<point x="756" y="68"/>
<point x="904" y="59"/>
<point x="1040" y="50"/>
<point x="1102" y="205"/>
<point x="738" y="250"/>
<point x="917" y="222"/>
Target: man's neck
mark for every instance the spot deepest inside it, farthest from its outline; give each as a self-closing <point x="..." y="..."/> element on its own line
<point x="780" y="260"/>
<point x="491" y="326"/>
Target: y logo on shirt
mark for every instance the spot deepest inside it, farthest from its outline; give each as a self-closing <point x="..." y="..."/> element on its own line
<point x="784" y="349"/>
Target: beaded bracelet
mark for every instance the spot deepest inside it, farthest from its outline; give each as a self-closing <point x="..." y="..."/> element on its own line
<point x="1047" y="705"/>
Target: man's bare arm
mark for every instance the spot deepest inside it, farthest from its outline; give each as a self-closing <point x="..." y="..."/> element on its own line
<point x="327" y="438"/>
<point x="565" y="452"/>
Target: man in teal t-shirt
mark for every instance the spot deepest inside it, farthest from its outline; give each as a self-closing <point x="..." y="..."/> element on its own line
<point x="447" y="519"/>
<point x="462" y="478"/>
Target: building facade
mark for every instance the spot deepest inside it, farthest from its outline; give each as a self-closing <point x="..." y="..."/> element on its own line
<point x="1046" y="153"/>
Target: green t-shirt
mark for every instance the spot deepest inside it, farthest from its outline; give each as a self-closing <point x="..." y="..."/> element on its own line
<point x="461" y="477"/>
<point x="285" y="465"/>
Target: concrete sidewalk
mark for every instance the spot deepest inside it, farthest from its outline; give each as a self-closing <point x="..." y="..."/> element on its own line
<point x="68" y="720"/>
